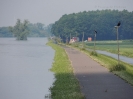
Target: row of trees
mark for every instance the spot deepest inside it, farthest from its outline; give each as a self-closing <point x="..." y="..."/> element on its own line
<point x="102" y="21"/>
<point x="39" y="30"/>
<point x="23" y="29"/>
<point x="4" y="32"/>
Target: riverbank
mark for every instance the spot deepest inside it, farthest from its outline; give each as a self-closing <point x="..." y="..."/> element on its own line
<point x="66" y="86"/>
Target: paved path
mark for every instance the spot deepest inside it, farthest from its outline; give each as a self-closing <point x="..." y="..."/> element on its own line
<point x="96" y="81"/>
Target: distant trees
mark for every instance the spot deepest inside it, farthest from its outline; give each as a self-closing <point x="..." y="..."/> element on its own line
<point x="39" y="30"/>
<point x="4" y="32"/>
<point x="20" y="30"/>
<point x="23" y="30"/>
<point x="103" y="21"/>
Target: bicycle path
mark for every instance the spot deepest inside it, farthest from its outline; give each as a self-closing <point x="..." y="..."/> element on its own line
<point x="96" y="82"/>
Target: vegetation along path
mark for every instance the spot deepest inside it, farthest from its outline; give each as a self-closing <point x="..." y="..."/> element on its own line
<point x="97" y="82"/>
<point x="122" y="58"/>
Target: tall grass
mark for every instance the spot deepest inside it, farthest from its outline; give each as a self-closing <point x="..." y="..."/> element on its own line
<point x="66" y="86"/>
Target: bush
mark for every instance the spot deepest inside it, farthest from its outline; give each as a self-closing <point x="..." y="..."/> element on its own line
<point x="82" y="48"/>
<point x="117" y="67"/>
<point x="94" y="53"/>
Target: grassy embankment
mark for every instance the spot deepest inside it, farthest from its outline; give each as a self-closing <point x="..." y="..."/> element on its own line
<point x="66" y="86"/>
<point x="126" y="47"/>
<point x="123" y="70"/>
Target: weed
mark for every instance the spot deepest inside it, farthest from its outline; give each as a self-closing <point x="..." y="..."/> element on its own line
<point x="117" y="67"/>
<point x="94" y="53"/>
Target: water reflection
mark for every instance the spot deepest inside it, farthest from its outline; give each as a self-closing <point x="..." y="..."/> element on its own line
<point x="24" y="68"/>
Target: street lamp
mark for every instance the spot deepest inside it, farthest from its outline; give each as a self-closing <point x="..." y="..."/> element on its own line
<point x="118" y="25"/>
<point x="83" y="40"/>
<point x="95" y="32"/>
<point x="70" y="38"/>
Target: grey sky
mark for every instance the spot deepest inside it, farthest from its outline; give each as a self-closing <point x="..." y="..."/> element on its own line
<point x="49" y="11"/>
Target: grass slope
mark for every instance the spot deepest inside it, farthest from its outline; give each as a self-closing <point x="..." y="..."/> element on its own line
<point x="66" y="86"/>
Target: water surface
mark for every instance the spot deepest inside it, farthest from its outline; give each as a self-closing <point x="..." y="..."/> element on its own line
<point x="24" y="68"/>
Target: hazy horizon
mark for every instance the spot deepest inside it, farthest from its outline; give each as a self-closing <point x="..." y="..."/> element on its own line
<point x="49" y="11"/>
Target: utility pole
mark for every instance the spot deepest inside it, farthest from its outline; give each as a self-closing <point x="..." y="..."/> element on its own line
<point x="83" y="40"/>
<point x="70" y="37"/>
<point x="118" y="25"/>
<point x="117" y="34"/>
<point x="95" y="39"/>
<point x="118" y="45"/>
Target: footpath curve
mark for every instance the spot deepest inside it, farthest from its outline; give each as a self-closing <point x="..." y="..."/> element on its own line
<point x="96" y="82"/>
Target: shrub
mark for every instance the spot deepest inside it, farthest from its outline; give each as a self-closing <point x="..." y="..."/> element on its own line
<point x="94" y="53"/>
<point x="117" y="67"/>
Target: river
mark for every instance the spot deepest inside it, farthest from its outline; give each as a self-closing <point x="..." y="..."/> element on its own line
<point x="24" y="68"/>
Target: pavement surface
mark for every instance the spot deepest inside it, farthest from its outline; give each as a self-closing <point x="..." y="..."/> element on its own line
<point x="95" y="80"/>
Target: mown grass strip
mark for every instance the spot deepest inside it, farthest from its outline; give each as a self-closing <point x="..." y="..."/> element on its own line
<point x="66" y="86"/>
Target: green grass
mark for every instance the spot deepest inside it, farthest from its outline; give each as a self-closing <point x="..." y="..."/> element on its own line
<point x="126" y="48"/>
<point x="66" y="86"/>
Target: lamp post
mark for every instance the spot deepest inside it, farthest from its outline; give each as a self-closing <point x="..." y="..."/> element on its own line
<point x="70" y="38"/>
<point x="118" y="25"/>
<point x="95" y="32"/>
<point x="83" y="40"/>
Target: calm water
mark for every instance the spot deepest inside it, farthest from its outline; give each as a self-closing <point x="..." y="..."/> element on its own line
<point x="24" y="68"/>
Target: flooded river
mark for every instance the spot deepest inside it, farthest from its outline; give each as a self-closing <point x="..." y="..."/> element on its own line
<point x="24" y="68"/>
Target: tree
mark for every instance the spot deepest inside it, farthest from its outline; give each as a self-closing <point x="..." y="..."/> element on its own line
<point x="20" y="30"/>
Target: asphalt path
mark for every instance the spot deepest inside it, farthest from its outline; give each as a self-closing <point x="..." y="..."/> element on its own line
<point x="96" y="82"/>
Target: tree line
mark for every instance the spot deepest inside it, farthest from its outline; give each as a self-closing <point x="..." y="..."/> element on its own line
<point x="22" y="30"/>
<point x="103" y="21"/>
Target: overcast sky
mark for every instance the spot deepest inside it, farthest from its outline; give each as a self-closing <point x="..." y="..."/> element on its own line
<point x="49" y="11"/>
